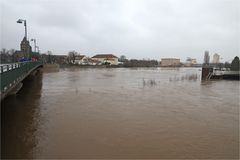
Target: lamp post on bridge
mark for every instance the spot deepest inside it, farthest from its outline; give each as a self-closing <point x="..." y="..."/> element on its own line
<point x="25" y="25"/>
<point x="34" y="40"/>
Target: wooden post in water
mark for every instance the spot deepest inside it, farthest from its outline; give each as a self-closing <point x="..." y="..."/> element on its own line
<point x="205" y="72"/>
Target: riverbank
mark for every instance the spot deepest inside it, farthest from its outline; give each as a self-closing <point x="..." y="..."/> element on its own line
<point x="51" y="67"/>
<point x="117" y="66"/>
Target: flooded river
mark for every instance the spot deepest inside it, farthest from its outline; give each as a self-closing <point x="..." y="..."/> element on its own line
<point x="122" y="113"/>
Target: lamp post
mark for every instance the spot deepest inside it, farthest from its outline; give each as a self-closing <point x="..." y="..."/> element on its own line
<point x="34" y="40"/>
<point x="25" y="25"/>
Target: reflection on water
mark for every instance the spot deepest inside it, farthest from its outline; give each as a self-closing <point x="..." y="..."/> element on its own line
<point x="122" y="113"/>
<point x="19" y="120"/>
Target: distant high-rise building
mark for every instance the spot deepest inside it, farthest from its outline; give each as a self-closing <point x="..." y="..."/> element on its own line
<point x="216" y="58"/>
<point x="206" y="58"/>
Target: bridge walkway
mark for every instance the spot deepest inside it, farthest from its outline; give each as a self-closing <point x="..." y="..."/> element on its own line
<point x="13" y="74"/>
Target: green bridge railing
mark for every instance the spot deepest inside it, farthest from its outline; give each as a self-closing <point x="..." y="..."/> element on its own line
<point x="12" y="74"/>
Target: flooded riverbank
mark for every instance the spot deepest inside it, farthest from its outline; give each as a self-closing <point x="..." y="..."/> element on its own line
<point x="122" y="113"/>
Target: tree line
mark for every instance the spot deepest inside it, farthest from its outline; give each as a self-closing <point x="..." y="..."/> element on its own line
<point x="10" y="56"/>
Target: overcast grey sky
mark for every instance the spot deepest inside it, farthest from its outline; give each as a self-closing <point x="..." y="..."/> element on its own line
<point x="139" y="29"/>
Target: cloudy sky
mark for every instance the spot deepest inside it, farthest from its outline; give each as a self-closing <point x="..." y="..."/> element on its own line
<point x="139" y="29"/>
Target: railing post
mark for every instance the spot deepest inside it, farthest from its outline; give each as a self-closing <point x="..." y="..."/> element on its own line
<point x="26" y="66"/>
<point x="1" y="69"/>
<point x="7" y="67"/>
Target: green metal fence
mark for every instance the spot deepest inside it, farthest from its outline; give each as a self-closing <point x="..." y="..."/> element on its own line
<point x="13" y="73"/>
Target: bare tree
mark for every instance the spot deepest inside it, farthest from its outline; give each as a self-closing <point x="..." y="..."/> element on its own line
<point x="11" y="53"/>
<point x="72" y="56"/>
<point x="50" y="57"/>
<point x="5" y="57"/>
<point x="3" y="51"/>
<point x="122" y="58"/>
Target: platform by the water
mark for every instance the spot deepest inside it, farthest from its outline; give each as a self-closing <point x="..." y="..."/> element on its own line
<point x="231" y="75"/>
<point x="209" y="73"/>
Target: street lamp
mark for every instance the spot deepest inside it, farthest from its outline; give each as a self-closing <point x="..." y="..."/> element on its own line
<point x="25" y="25"/>
<point x="34" y="40"/>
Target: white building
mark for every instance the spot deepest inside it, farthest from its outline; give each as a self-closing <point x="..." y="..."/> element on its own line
<point x="82" y="60"/>
<point x="106" y="58"/>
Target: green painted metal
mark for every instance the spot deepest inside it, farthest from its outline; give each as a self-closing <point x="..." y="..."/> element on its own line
<point x="12" y="73"/>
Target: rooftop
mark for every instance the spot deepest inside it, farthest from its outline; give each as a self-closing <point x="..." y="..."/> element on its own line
<point x="170" y="58"/>
<point x="80" y="57"/>
<point x="104" y="56"/>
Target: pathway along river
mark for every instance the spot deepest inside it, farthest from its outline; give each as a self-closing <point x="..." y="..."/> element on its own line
<point x="122" y="113"/>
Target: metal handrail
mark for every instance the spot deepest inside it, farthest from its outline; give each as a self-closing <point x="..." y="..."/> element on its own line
<point x="13" y="73"/>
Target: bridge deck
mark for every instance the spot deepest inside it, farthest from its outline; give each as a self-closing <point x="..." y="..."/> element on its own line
<point x="13" y="74"/>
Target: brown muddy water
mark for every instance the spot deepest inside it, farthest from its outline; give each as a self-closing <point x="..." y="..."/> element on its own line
<point x="122" y="113"/>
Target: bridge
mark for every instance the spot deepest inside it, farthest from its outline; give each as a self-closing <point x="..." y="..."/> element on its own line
<point x="13" y="74"/>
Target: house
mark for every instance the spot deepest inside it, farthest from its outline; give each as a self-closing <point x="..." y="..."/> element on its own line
<point x="93" y="62"/>
<point x="106" y="58"/>
<point x="170" y="62"/>
<point x="82" y="60"/>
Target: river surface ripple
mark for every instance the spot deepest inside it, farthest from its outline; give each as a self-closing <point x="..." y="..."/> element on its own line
<point x="122" y="113"/>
